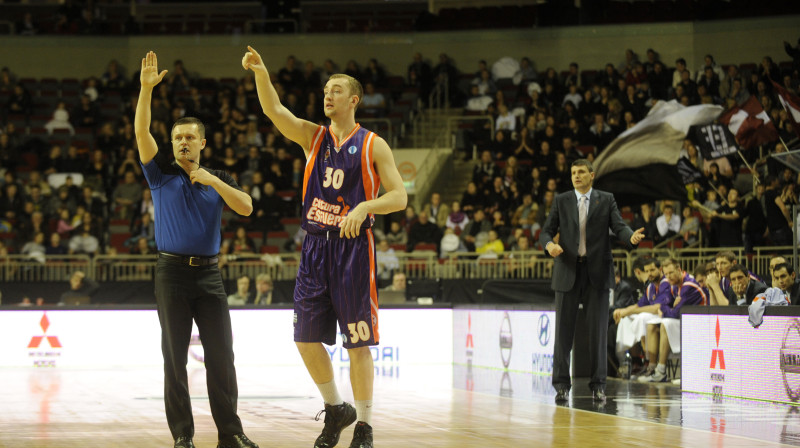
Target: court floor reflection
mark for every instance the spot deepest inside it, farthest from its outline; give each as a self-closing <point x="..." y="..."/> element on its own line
<point x="662" y="403"/>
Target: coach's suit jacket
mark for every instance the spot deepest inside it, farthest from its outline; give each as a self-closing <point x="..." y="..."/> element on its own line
<point x="603" y="215"/>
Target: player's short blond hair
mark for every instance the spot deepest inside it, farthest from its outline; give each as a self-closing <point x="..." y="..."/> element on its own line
<point x="353" y="84"/>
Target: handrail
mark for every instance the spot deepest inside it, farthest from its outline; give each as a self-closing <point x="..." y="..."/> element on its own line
<point x="248" y="24"/>
<point x="283" y="266"/>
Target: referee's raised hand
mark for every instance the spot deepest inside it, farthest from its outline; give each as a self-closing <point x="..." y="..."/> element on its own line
<point x="149" y="76"/>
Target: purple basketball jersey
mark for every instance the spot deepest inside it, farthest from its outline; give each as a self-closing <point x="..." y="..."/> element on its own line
<point x="338" y="176"/>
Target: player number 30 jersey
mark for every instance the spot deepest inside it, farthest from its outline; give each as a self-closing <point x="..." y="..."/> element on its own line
<point x="338" y="177"/>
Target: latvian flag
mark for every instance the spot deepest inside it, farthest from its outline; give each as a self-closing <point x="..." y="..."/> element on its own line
<point x="792" y="105"/>
<point x="750" y="124"/>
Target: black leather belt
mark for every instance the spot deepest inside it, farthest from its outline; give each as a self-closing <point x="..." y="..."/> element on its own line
<point x="581" y="259"/>
<point x="189" y="260"/>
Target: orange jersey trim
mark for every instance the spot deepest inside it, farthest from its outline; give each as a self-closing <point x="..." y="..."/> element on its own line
<point x="369" y="176"/>
<point x="312" y="157"/>
<point x="373" y="288"/>
<point x="336" y="143"/>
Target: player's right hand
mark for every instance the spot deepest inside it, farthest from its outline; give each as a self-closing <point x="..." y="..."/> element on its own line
<point x="149" y="76"/>
<point x="252" y="61"/>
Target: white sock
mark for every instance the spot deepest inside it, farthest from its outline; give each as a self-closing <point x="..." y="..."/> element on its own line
<point x="661" y="368"/>
<point x="330" y="394"/>
<point x="364" y="411"/>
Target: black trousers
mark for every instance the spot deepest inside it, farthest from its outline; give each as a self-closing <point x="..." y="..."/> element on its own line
<point x="184" y="293"/>
<point x="595" y="305"/>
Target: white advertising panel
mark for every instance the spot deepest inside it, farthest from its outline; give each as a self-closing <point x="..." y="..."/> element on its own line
<point x="118" y="338"/>
<point x="724" y="355"/>
<point x="520" y="341"/>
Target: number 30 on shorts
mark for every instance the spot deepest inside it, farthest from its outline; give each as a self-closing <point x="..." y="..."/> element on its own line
<point x="359" y="332"/>
<point x="333" y="177"/>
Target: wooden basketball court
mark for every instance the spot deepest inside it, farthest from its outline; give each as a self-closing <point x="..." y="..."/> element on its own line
<point x="414" y="407"/>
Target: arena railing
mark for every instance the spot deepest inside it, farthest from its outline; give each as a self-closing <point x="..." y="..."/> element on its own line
<point x="533" y="264"/>
<point x="54" y="268"/>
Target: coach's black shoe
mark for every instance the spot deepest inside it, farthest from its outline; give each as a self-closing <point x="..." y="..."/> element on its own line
<point x="236" y="441"/>
<point x="183" y="442"/>
<point x="362" y="436"/>
<point x="562" y="395"/>
<point x="336" y="419"/>
<point x="599" y="395"/>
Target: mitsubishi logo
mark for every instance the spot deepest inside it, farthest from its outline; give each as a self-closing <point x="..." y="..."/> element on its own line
<point x="717" y="352"/>
<point x="36" y="341"/>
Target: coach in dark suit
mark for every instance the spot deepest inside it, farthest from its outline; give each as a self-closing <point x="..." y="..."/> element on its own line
<point x="583" y="272"/>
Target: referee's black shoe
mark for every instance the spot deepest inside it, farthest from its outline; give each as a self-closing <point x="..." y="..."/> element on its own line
<point x="362" y="436"/>
<point x="336" y="419"/>
<point x="236" y="441"/>
<point x="183" y="442"/>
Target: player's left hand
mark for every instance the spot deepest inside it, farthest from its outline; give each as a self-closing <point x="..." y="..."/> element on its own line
<point x="637" y="236"/>
<point x="660" y="313"/>
<point x="202" y="176"/>
<point x="351" y="225"/>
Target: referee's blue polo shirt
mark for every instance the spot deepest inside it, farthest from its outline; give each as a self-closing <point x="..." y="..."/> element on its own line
<point x="188" y="217"/>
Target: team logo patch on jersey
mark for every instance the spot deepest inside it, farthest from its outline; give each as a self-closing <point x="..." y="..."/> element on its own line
<point x="352" y="150"/>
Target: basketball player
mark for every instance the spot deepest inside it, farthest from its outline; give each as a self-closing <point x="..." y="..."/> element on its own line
<point x="337" y="277"/>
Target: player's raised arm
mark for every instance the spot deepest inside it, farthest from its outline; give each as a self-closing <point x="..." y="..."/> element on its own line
<point x="149" y="77"/>
<point x="297" y="130"/>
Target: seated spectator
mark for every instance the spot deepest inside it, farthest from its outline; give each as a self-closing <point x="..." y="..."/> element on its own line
<point x="264" y="290"/>
<point x="55" y="247"/>
<point x="690" y="226"/>
<point x="484" y="82"/>
<point x="524" y="215"/>
<point x="423" y="232"/>
<point x="142" y="229"/>
<point x="397" y="234"/>
<point x="241" y="243"/>
<point x="471" y="200"/>
<point x="386" y="260"/>
<point x="505" y="121"/>
<point x="526" y="144"/>
<point x="476" y="232"/>
<point x="65" y="224"/>
<point x="11" y="203"/>
<point x="492" y="248"/>
<point x="374" y="103"/>
<point x="457" y="219"/>
<point x="242" y="296"/>
<point x="450" y="244"/>
<point x="483" y="171"/>
<point x="84" y="242"/>
<point x="34" y="249"/>
<point x="437" y="211"/>
<point x="668" y="224"/>
<point x="87" y="115"/>
<point x="689" y="292"/>
<point x="127" y="195"/>
<point x="81" y="289"/>
<point x="269" y="209"/>
<point x="20" y="102"/>
<point x="399" y="281"/>
<point x="142" y="247"/>
<point x="602" y="133"/>
<point x="60" y="120"/>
